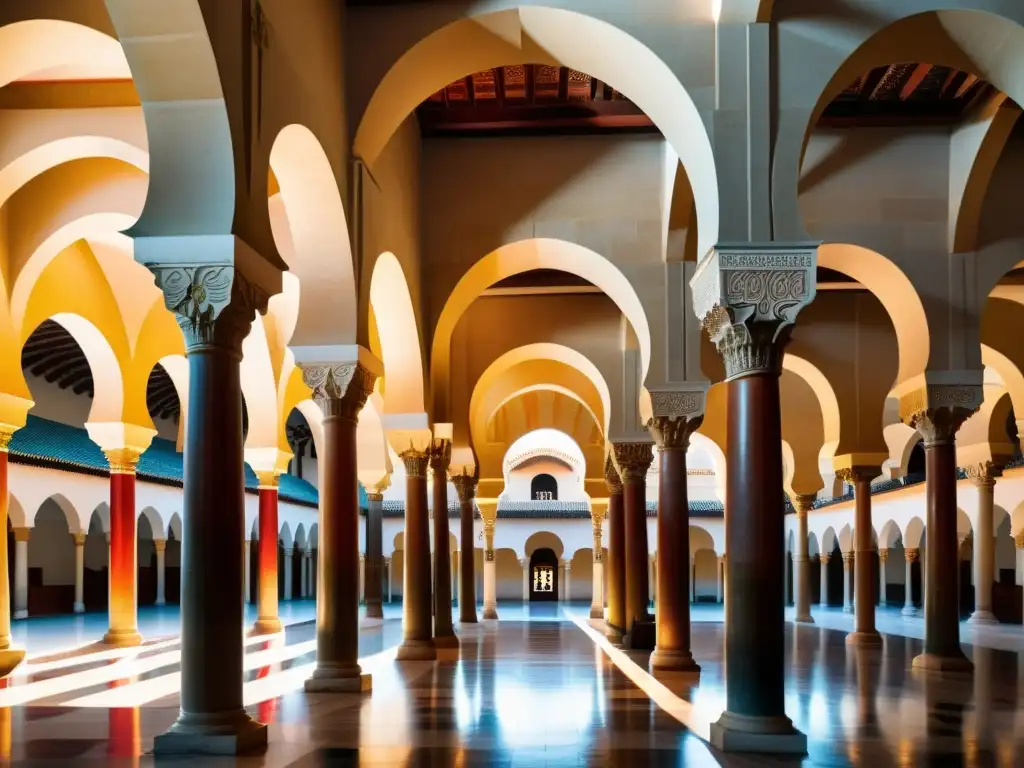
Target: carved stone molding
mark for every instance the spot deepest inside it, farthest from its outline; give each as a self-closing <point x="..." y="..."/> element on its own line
<point x="802" y="502"/>
<point x="341" y="389"/>
<point x="747" y="298"/>
<point x="853" y="475"/>
<point x="465" y="486"/>
<point x="937" y="410"/>
<point x="911" y="554"/>
<point x="416" y="462"/>
<point x="632" y="461"/>
<point x="823" y="559"/>
<point x="1019" y="539"/>
<point x="848" y="557"/>
<point x="678" y="402"/>
<point x="123" y="461"/>
<point x="883" y="554"/>
<point x="984" y="473"/>
<point x="611" y="477"/>
<point x="440" y="457"/>
<point x="214" y="304"/>
<point x="672" y="433"/>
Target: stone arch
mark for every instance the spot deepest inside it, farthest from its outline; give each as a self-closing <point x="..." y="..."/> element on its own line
<point x="826" y="396"/>
<point x="1012" y="376"/>
<point x="890" y="535"/>
<point x="156" y="523"/>
<point x="812" y="545"/>
<point x="285" y="536"/>
<point x="16" y="512"/>
<point x="829" y="540"/>
<point x="846" y="538"/>
<point x="65" y="505"/>
<point x="913" y="533"/>
<point x="537" y="34"/>
<point x="399" y="337"/>
<point x="523" y="256"/>
<point x="544" y="540"/>
<point x="318" y="253"/>
<point x="36" y="45"/>
<point x="174" y="526"/>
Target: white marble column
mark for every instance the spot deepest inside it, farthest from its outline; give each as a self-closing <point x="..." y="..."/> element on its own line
<point x="524" y="563"/>
<point x="79" y="572"/>
<point x="568" y="580"/>
<point x="720" y="579"/>
<point x="802" y="503"/>
<point x="848" y="582"/>
<point x="984" y="477"/>
<point x="597" y="587"/>
<point x="490" y="586"/>
<point x="910" y="556"/>
<point x="161" y="571"/>
<point x="883" y="557"/>
<point x="652" y="580"/>
<point x="693" y="578"/>
<point x="454" y="573"/>
<point x="287" y="574"/>
<point x="21" y="536"/>
<point x="823" y="563"/>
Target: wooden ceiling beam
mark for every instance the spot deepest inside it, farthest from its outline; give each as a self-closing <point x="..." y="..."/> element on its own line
<point x="916" y="78"/>
<point x="965" y="86"/>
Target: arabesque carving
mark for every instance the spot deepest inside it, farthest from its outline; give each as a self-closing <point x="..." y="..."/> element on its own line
<point x="440" y="451"/>
<point x="339" y="389"/>
<point x="611" y="476"/>
<point x="465" y="486"/>
<point x="672" y="433"/>
<point x="633" y="460"/>
<point x="938" y="411"/>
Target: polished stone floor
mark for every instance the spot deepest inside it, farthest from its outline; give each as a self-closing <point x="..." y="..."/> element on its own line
<point x="536" y="688"/>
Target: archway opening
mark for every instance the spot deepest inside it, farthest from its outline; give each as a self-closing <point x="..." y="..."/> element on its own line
<point x="51" y="560"/>
<point x="543" y="576"/>
<point x="543" y="487"/>
<point x="97" y="555"/>
<point x="145" y="561"/>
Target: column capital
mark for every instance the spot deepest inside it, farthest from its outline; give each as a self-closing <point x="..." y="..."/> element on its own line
<point x="122" y="461"/>
<point x="632" y="460"/>
<point x="1019" y="539"/>
<point x="940" y="403"/>
<point x="79" y="538"/>
<point x="465" y="487"/>
<point x="22" y="534"/>
<point x="883" y="554"/>
<point x="122" y="443"/>
<point x="823" y="559"/>
<point x="375" y="497"/>
<point x="747" y="297"/>
<point x="340" y="389"/>
<point x="160" y="544"/>
<point x="676" y="414"/>
<point x="858" y="474"/>
<point x="911" y="554"/>
<point x="802" y="503"/>
<point x="415" y="461"/>
<point x="984" y="473"/>
<point x="6" y="435"/>
<point x="848" y="557"/>
<point x="672" y="433"/>
<point x="268" y="479"/>
<point x="611" y="476"/>
<point x="440" y="453"/>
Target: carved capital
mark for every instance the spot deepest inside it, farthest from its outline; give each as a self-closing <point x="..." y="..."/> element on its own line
<point x="465" y="486"/>
<point x="823" y="559"/>
<point x="848" y="557"/>
<point x="6" y="435"/>
<point x="883" y="554"/>
<point x="984" y="473"/>
<point x="611" y="476"/>
<point x="853" y="475"/>
<point x="679" y="402"/>
<point x="416" y="462"/>
<point x="160" y="545"/>
<point x="802" y="502"/>
<point x="269" y="479"/>
<point x="633" y="460"/>
<point x="672" y="433"/>
<point x="340" y="389"/>
<point x="937" y="410"/>
<point x="123" y="461"/>
<point x="747" y="298"/>
<point x="375" y="497"/>
<point x="440" y="457"/>
<point x="214" y="304"/>
<point x="911" y="554"/>
<point x="79" y="539"/>
<point x="1019" y="539"/>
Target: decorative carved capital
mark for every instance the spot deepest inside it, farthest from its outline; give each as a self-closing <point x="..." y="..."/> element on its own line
<point x="415" y="462"/>
<point x="79" y="539"/>
<point x="911" y="554"/>
<point x="611" y="476"/>
<point x="465" y="486"/>
<point x="23" y="534"/>
<point x="679" y="402"/>
<point x="341" y="389"/>
<point x="883" y="554"/>
<point x="440" y="456"/>
<point x="823" y="559"/>
<point x="937" y="410"/>
<point x="802" y="502"/>
<point x="672" y="433"/>
<point x="6" y="435"/>
<point x="747" y="298"/>
<point x="1019" y="539"/>
<point x="123" y="461"/>
<point x="214" y="304"/>
<point x="633" y="460"/>
<point x="854" y="475"/>
<point x="848" y="557"/>
<point x="375" y="497"/>
<point x="269" y="479"/>
<point x="984" y="473"/>
<point x="160" y="545"/>
<point x="489" y="555"/>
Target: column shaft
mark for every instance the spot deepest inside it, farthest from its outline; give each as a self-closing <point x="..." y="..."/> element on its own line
<point x="597" y="516"/>
<point x="123" y="572"/>
<point x="465" y="486"/>
<point x="161" y="571"/>
<point x="802" y="560"/>
<point x="444" y="632"/>
<point x="616" y="554"/>
<point x="863" y="567"/>
<point x="848" y="582"/>
<point x="79" y="572"/>
<point x="375" y="556"/>
<point x="909" y="557"/>
<point x="9" y="657"/>
<point x="418" y="643"/>
<point x="525" y="565"/>
<point x="289" y="570"/>
<point x="268" y="619"/>
<point x="984" y="546"/>
<point x="823" y="595"/>
<point x="883" y="558"/>
<point x="21" y="536"/>
<point x="633" y="461"/>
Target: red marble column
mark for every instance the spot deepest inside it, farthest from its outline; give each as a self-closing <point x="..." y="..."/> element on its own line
<point x="418" y="643"/>
<point x="616" y="554"/>
<point x="633" y="460"/>
<point x="864" y="633"/>
<point x="465" y="486"/>
<point x="672" y="651"/>
<point x="267" y="620"/>
<point x="123" y="571"/>
<point x="444" y="632"/>
<point x="9" y="657"/>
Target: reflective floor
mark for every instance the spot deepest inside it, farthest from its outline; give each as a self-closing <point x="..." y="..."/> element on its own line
<point x="535" y="688"/>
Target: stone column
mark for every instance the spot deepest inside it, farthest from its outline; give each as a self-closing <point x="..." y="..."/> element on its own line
<point x="288" y="553"/>
<point x="747" y="297"/>
<point x="720" y="580"/>
<point x="123" y="574"/>
<point x="387" y="575"/>
<point x="374" y="573"/>
<point x="444" y="631"/>
<point x="21" y="537"/>
<point x="823" y="576"/>
<point x="10" y="657"/>
<point x="677" y="415"/>
<point x="79" y="539"/>
<point x="802" y="503"/>
<point x="246" y="571"/>
<point x="268" y="620"/>
<point x="937" y="411"/>
<point x="524" y="563"/>
<point x="1019" y="541"/>
<point x="214" y="304"/>
<point x="848" y="581"/>
<point x="418" y="644"/>
<point x="362" y="578"/>
<point x="864" y="625"/>
<point x="567" y="589"/>
<point x="340" y="391"/>
<point x="616" y="618"/>
<point x="984" y="476"/>
<point x="910" y="557"/>
<point x="161" y="570"/>
<point x="465" y="486"/>
<point x="489" y="513"/>
<point x="883" y="558"/>
<point x="598" y="511"/>
<point x="633" y="460"/>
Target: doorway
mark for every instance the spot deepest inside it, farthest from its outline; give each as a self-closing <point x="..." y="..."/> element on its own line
<point x="543" y="576"/>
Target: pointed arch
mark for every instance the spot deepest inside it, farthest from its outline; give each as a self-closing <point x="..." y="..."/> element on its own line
<point x="399" y="337"/>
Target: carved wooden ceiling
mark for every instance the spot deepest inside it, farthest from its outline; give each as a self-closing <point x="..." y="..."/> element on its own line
<point x="530" y="99"/>
<point x="906" y="94"/>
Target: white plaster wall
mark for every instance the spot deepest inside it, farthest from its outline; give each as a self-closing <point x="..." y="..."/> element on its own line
<point x="570" y="484"/>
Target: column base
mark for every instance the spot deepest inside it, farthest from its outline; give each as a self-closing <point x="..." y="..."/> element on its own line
<point x="446" y="641"/>
<point x="329" y="681"/>
<point x="910" y="611"/>
<point x="234" y="733"/>
<point x="417" y="650"/>
<point x="79" y="607"/>
<point x="934" y="662"/>
<point x="490" y="612"/>
<point x="266" y="627"/>
<point x="847" y="609"/>
<point x="805" y="619"/>
<point x="983" y="617"/>
<point x="21" y="614"/>
<point x="374" y="611"/>
<point x="468" y="618"/>
<point x="597" y="611"/>
<point x="10" y="658"/>
<point x="613" y="633"/>
<point x="370" y="621"/>
<point x="122" y="638"/>
<point x="865" y="639"/>
<point x="774" y="735"/>
<point x="666" y="660"/>
<point x="160" y="602"/>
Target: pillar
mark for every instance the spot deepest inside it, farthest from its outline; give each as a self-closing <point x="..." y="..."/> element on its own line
<point x="215" y="304"/>
<point x="10" y="657"/>
<point x="387" y="575"/>
<point x="910" y="555"/>
<point x="161" y="570"/>
<point x="21" y="537"/>
<point x="937" y="411"/>
<point x="418" y="642"/>
<point x="374" y="573"/>
<point x="524" y="563"/>
<point x="246" y="571"/>
<point x="79" y="539"/>
<point x="567" y="589"/>
<point x="490" y="514"/>
<point x="633" y="460"/>
<point x="823" y="596"/>
<point x="122" y="574"/>
<point x="303" y="574"/>
<point x="984" y="476"/>
<point x="671" y="429"/>
<point x="747" y="297"/>
<point x="616" y="617"/>
<point x="848" y="581"/>
<point x="598" y="512"/>
<point x="444" y="631"/>
<point x="288" y="554"/>
<point x="720" y="579"/>
<point x="340" y="390"/>
<point x="1019" y="541"/>
<point x="802" y="503"/>
<point x="864" y="632"/>
<point x="883" y="581"/>
<point x="362" y="578"/>
<point x="268" y="620"/>
<point x="465" y="487"/>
